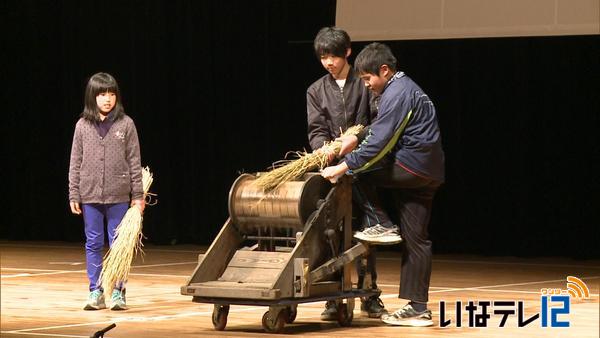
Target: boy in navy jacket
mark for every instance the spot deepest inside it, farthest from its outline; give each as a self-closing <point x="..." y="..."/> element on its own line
<point x="402" y="150"/>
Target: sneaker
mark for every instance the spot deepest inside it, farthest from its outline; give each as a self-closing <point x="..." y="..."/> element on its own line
<point x="373" y="306"/>
<point x="118" y="300"/>
<point x="407" y="316"/>
<point x="330" y="313"/>
<point x="95" y="301"/>
<point x="378" y="234"/>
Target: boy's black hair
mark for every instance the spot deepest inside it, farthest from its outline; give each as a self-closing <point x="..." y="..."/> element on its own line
<point x="101" y="83"/>
<point x="331" y="40"/>
<point x="373" y="56"/>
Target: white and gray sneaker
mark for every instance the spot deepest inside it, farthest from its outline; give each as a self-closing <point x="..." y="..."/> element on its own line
<point x="95" y="301"/>
<point x="408" y="316"/>
<point x="118" y="300"/>
<point x="378" y="234"/>
<point x="330" y="313"/>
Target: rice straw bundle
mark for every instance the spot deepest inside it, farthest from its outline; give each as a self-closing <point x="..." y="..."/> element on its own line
<point x="294" y="169"/>
<point x="127" y="242"/>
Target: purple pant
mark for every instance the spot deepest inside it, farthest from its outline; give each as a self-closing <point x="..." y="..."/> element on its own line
<point x="93" y="218"/>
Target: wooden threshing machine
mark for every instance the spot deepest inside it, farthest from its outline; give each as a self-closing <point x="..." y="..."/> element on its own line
<point x="279" y="249"/>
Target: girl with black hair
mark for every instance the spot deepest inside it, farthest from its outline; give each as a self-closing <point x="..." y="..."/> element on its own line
<point x="105" y="174"/>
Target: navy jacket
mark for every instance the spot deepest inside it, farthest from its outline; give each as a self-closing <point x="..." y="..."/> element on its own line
<point x="419" y="148"/>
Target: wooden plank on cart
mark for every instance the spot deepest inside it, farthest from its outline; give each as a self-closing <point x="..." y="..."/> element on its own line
<point x="336" y="263"/>
<point x="213" y="263"/>
<point x="249" y="275"/>
<point x="259" y="259"/>
<point x="325" y="288"/>
<point x="231" y="290"/>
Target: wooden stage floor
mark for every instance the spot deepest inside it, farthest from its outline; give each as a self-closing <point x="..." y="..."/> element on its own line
<point x="44" y="287"/>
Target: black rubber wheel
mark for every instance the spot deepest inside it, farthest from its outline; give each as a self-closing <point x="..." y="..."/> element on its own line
<point x="219" y="316"/>
<point x="344" y="318"/>
<point x="274" y="325"/>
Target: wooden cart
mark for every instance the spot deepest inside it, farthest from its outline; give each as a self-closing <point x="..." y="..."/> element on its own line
<point x="283" y="248"/>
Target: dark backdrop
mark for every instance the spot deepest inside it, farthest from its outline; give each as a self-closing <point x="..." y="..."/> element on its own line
<point x="218" y="87"/>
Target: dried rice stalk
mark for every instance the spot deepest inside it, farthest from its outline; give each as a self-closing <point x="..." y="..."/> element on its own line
<point x="288" y="170"/>
<point x="127" y="243"/>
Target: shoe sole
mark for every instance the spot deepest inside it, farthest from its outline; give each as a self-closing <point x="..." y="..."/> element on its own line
<point x="89" y="307"/>
<point x="118" y="308"/>
<point x="383" y="240"/>
<point x="329" y="318"/>
<point x="409" y="322"/>
<point x="374" y="314"/>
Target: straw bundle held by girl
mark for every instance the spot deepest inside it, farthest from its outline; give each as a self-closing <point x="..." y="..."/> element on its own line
<point x="294" y="169"/>
<point x="127" y="243"/>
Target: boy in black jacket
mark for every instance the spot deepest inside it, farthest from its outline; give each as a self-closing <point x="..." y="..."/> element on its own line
<point x="334" y="103"/>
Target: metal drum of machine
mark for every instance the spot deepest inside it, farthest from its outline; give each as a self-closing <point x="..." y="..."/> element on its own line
<point x="288" y="206"/>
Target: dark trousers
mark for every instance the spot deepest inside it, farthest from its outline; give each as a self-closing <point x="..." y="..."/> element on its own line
<point x="413" y="196"/>
<point x="365" y="220"/>
<point x="369" y="266"/>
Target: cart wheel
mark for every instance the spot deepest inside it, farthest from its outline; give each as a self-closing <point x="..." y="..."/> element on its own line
<point x="219" y="316"/>
<point x="344" y="318"/>
<point x="292" y="312"/>
<point x="274" y="325"/>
